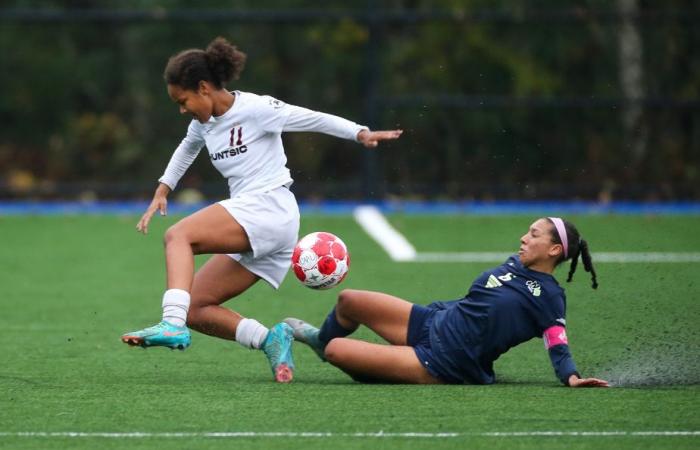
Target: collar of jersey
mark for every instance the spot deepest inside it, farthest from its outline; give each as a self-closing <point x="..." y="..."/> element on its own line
<point x="213" y="120"/>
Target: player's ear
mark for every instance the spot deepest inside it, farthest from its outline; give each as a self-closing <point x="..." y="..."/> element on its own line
<point x="203" y="88"/>
<point x="555" y="250"/>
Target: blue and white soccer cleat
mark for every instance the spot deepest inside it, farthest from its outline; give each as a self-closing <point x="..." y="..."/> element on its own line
<point x="163" y="334"/>
<point x="308" y="334"/>
<point x="278" y="349"/>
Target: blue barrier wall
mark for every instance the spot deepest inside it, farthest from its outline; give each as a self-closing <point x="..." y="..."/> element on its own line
<point x="9" y="208"/>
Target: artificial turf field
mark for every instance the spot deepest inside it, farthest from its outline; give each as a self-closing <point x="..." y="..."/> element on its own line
<point x="72" y="285"/>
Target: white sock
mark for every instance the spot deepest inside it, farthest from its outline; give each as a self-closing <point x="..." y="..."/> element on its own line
<point x="250" y="333"/>
<point x="176" y="303"/>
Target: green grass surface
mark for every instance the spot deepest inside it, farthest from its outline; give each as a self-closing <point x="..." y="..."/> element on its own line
<point x="72" y="285"/>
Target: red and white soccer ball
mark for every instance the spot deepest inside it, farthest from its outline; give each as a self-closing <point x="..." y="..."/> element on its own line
<point x="320" y="260"/>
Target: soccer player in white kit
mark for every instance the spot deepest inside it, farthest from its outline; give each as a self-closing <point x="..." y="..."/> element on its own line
<point x="251" y="235"/>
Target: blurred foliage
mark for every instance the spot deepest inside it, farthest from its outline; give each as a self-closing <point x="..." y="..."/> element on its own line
<point x="83" y="106"/>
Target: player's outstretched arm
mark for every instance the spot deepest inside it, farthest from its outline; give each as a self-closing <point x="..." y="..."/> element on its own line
<point x="371" y="138"/>
<point x="159" y="203"/>
<point x="575" y="381"/>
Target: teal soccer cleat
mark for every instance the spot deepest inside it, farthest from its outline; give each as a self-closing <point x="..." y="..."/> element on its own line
<point x="278" y="349"/>
<point x="163" y="334"/>
<point x="308" y="334"/>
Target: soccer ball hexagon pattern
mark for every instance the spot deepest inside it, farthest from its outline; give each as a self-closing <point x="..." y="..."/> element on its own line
<point x="320" y="260"/>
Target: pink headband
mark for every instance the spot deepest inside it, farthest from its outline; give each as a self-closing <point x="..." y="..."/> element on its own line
<point x="561" y="229"/>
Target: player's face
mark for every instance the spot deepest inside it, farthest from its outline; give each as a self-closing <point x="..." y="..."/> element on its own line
<point x="196" y="103"/>
<point x="536" y="246"/>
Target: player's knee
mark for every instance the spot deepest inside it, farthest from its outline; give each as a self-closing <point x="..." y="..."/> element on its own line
<point x="347" y="299"/>
<point x="196" y="314"/>
<point x="172" y="234"/>
<point x="194" y="318"/>
<point x="335" y="350"/>
<point x="177" y="234"/>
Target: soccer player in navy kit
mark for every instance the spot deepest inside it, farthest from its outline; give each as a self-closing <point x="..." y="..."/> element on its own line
<point x="458" y="341"/>
<point x="251" y="234"/>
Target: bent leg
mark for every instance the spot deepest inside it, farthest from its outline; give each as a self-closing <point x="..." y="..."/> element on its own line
<point x="210" y="230"/>
<point x="384" y="314"/>
<point x="365" y="361"/>
<point x="218" y="280"/>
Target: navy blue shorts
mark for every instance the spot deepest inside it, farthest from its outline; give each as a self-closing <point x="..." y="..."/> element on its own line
<point x="418" y="337"/>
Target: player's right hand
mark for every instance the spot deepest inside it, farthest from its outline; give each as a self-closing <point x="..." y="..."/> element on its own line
<point x="159" y="203"/>
<point x="575" y="381"/>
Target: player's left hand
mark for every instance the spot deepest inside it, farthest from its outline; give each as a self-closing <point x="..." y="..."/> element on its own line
<point x="371" y="139"/>
<point x="575" y="381"/>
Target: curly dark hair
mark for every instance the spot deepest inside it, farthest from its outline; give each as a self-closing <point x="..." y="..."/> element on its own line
<point x="220" y="63"/>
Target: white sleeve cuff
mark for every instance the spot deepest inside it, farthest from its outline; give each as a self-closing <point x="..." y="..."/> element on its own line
<point x="168" y="182"/>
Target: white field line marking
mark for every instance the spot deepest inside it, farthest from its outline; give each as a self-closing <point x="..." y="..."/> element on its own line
<point x="375" y="224"/>
<point x="378" y="434"/>
<point x="401" y="250"/>
<point x="598" y="257"/>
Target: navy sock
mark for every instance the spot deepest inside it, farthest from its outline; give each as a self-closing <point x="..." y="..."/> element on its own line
<point x="331" y="328"/>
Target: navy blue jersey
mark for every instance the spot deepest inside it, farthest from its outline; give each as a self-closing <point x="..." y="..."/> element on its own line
<point x="504" y="307"/>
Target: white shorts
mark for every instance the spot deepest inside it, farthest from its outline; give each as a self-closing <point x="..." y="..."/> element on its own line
<point x="271" y="221"/>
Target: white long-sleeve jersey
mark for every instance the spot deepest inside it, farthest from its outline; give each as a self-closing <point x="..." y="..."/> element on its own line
<point x="245" y="143"/>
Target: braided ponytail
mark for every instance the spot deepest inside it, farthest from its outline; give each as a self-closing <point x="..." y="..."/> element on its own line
<point x="588" y="262"/>
<point x="576" y="247"/>
<point x="574" y="263"/>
